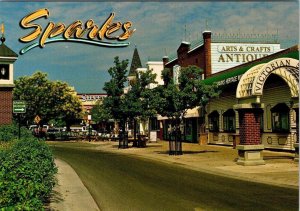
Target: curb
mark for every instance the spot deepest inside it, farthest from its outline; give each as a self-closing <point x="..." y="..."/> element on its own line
<point x="70" y="194"/>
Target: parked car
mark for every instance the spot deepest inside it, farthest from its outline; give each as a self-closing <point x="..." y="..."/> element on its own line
<point x="38" y="131"/>
<point x="53" y="133"/>
<point x="44" y="127"/>
<point x="78" y="128"/>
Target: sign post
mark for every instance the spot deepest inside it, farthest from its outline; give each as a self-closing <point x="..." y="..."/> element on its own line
<point x="37" y="120"/>
<point x="19" y="107"/>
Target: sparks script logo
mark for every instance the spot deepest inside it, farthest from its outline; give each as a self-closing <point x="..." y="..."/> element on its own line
<point x="88" y="33"/>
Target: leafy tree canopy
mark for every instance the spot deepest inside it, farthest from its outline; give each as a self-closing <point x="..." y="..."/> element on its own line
<point x="133" y="104"/>
<point x="100" y="113"/>
<point x="137" y="102"/>
<point x="51" y="100"/>
<point x="115" y="89"/>
<point x="173" y="100"/>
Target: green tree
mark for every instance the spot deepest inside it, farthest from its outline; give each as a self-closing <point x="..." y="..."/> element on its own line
<point x="173" y="100"/>
<point x="137" y="101"/>
<point x="100" y="114"/>
<point x="115" y="95"/>
<point x="51" y="100"/>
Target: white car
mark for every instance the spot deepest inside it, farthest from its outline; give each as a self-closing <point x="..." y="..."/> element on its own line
<point x="33" y="127"/>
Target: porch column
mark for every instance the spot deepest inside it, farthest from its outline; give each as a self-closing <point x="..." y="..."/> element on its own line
<point x="250" y="148"/>
<point x="296" y="144"/>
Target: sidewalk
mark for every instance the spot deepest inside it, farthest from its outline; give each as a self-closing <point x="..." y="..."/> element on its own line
<point x="280" y="168"/>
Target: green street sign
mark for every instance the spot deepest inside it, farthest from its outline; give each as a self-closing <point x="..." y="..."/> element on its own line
<point x="19" y="106"/>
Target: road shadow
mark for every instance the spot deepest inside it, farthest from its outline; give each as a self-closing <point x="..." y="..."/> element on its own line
<point x="55" y="198"/>
<point x="153" y="145"/>
<point x="135" y="147"/>
<point x="200" y="152"/>
<point x="189" y="152"/>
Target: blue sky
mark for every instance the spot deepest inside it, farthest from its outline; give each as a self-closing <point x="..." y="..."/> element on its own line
<point x="160" y="27"/>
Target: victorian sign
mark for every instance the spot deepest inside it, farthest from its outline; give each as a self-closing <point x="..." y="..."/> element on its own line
<point x="252" y="82"/>
<point x="287" y="68"/>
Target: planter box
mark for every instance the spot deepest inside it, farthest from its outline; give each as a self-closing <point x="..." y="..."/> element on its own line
<point x="203" y="138"/>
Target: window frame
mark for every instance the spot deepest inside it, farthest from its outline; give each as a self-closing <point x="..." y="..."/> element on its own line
<point x="153" y="124"/>
<point x="214" y="121"/>
<point x="227" y="116"/>
<point x="281" y="112"/>
<point x="7" y="73"/>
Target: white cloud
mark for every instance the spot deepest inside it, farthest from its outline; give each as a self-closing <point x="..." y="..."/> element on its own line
<point x="159" y="26"/>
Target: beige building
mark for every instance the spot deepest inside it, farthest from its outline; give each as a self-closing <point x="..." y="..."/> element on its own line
<point x="267" y="87"/>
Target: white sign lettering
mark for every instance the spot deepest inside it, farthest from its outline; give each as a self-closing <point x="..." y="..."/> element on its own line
<point x="87" y="97"/>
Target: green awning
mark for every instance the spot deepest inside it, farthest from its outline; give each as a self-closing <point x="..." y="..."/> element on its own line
<point x="227" y="75"/>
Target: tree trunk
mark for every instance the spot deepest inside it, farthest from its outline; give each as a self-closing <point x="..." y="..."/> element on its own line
<point x="123" y="136"/>
<point x="134" y="133"/>
<point x="175" y="143"/>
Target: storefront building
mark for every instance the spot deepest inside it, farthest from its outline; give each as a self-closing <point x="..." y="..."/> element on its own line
<point x="235" y="63"/>
<point x="89" y="100"/>
<point x="258" y="104"/>
<point x="144" y="127"/>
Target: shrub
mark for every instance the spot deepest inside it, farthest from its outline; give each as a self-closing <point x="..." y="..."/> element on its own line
<point x="27" y="175"/>
<point x="11" y="132"/>
<point x="6" y="145"/>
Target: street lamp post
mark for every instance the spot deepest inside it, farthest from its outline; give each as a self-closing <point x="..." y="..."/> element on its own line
<point x="89" y="119"/>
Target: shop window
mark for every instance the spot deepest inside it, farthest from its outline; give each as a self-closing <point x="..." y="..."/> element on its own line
<point x="4" y="71"/>
<point x="280" y="118"/>
<point x="154" y="124"/>
<point x="229" y="121"/>
<point x="213" y="121"/>
<point x="130" y="125"/>
<point x="188" y="127"/>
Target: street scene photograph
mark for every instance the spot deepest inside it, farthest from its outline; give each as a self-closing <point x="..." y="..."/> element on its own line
<point x="149" y="105"/>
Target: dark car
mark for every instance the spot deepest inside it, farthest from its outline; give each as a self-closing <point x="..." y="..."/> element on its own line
<point x="53" y="133"/>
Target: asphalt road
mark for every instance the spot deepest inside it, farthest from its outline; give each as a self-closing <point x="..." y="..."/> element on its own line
<point x="124" y="182"/>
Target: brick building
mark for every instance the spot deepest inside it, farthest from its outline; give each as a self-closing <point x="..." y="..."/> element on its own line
<point x="213" y="54"/>
<point x="258" y="107"/>
<point x="7" y="58"/>
<point x="197" y="54"/>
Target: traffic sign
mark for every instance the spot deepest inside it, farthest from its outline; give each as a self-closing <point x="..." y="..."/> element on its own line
<point x="19" y="106"/>
<point x="37" y="119"/>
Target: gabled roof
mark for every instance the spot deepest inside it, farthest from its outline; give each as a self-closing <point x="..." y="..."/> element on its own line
<point x="6" y="51"/>
<point x="135" y="63"/>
